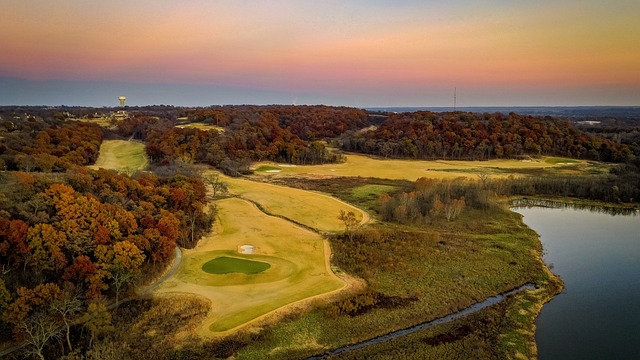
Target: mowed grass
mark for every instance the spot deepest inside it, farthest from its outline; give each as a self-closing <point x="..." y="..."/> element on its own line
<point x="104" y="121"/>
<point x="230" y="265"/>
<point x="268" y="168"/>
<point x="201" y="126"/>
<point x="299" y="268"/>
<point x="312" y="209"/>
<point x="359" y="165"/>
<point x="121" y="155"/>
<point x="557" y="160"/>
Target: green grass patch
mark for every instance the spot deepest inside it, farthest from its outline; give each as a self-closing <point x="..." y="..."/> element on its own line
<point x="267" y="168"/>
<point x="559" y="160"/>
<point x="121" y="155"/>
<point x="373" y="190"/>
<point x="229" y="265"/>
<point x="368" y="195"/>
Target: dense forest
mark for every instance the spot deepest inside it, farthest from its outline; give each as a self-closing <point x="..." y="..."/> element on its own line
<point x="33" y="145"/>
<point x="307" y="122"/>
<point x="76" y="239"/>
<point x="470" y="136"/>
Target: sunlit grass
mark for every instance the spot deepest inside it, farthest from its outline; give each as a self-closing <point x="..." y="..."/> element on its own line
<point x="558" y="160"/>
<point x="297" y="258"/>
<point x="364" y="166"/>
<point x="312" y="209"/>
<point x="201" y="126"/>
<point x="121" y="155"/>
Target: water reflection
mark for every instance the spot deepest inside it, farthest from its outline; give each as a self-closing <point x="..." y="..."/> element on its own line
<point x="610" y="210"/>
<point x="598" y="257"/>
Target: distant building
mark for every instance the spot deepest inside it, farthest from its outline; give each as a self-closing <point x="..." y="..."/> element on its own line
<point x="119" y="115"/>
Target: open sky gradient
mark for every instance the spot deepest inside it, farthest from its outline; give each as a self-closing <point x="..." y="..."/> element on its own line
<point x="356" y="52"/>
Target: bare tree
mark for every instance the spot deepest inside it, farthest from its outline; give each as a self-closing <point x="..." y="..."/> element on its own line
<point x="40" y="327"/>
<point x="484" y="178"/>
<point x="67" y="306"/>
<point x="453" y="208"/>
<point x="217" y="185"/>
<point x="350" y="222"/>
<point x="121" y="279"/>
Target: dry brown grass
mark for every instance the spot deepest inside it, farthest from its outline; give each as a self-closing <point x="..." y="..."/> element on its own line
<point x="364" y="166"/>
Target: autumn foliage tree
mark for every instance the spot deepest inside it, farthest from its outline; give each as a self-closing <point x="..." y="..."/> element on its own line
<point x="431" y="199"/>
<point x="51" y="146"/>
<point x="471" y="136"/>
<point x="97" y="229"/>
<point x="351" y="223"/>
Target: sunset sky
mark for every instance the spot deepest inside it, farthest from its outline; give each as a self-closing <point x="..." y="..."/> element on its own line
<point x="355" y="53"/>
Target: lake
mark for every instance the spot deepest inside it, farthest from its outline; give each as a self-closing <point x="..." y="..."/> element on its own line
<point x="597" y="255"/>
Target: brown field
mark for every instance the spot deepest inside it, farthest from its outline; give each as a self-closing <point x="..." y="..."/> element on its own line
<point x="201" y="126"/>
<point x="365" y="166"/>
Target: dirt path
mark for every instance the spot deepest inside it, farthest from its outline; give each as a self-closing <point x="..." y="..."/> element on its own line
<point x="172" y="270"/>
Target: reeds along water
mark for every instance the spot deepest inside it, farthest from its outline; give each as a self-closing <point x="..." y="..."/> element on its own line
<point x="529" y="203"/>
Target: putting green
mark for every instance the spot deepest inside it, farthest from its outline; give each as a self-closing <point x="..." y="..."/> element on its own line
<point x="229" y="265"/>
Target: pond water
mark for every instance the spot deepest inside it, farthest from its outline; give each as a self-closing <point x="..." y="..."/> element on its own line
<point x="597" y="255"/>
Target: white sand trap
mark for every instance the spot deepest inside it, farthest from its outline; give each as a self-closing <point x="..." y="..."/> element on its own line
<point x="273" y="171"/>
<point x="246" y="249"/>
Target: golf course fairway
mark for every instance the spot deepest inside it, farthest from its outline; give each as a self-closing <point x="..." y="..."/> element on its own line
<point x="298" y="258"/>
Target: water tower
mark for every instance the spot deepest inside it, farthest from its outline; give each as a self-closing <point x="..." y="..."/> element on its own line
<point x="122" y="100"/>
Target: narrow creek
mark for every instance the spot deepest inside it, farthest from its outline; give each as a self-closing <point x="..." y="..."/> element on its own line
<point x="490" y="301"/>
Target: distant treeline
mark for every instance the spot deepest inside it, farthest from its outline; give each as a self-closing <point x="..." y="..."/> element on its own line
<point x="300" y="135"/>
<point x="621" y="186"/>
<point x="429" y="200"/>
<point x="470" y="136"/>
<point x="307" y="122"/>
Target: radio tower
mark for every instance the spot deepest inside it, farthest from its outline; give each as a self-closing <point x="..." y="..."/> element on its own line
<point x="455" y="98"/>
